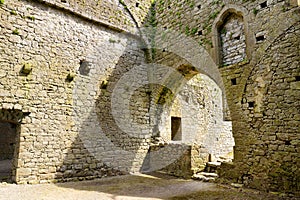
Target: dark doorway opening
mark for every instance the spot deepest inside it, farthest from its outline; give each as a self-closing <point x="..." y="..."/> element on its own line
<point x="176" y="129"/>
<point x="8" y="135"/>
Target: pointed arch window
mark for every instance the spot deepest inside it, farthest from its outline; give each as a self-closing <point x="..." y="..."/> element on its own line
<point x="232" y="39"/>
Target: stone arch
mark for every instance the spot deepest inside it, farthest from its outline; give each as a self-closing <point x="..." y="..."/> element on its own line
<point x="199" y="104"/>
<point x="227" y="13"/>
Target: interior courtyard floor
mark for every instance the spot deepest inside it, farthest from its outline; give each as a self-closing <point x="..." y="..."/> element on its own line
<point x="131" y="187"/>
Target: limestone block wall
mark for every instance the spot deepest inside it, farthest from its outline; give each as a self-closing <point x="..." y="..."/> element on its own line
<point x="55" y="40"/>
<point x="173" y="159"/>
<point x="122" y="15"/>
<point x="177" y="159"/>
<point x="267" y="24"/>
<point x="271" y="106"/>
<point x="250" y="112"/>
<point x="66" y="95"/>
<point x="220" y="141"/>
<point x="202" y="121"/>
<point x="232" y="38"/>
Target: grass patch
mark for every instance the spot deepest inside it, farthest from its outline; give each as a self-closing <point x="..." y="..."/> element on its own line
<point x="227" y="193"/>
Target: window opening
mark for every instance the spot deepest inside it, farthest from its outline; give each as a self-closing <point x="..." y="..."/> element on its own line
<point x="176" y="128"/>
<point x="232" y="40"/>
<point x="233" y="81"/>
<point x="263" y="4"/>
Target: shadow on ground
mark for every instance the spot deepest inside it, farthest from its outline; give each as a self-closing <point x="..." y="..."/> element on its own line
<point x="161" y="186"/>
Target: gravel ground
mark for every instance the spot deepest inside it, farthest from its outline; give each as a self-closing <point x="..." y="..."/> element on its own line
<point x="133" y="187"/>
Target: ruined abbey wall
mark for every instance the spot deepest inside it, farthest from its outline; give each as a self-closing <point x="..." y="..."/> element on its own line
<point x="259" y="64"/>
<point x="199" y="106"/>
<point x="75" y="79"/>
<point x="66" y="94"/>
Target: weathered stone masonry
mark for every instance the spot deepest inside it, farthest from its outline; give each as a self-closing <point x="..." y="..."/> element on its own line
<point x="263" y="103"/>
<point x="56" y="44"/>
<point x="63" y="63"/>
<point x="232" y="37"/>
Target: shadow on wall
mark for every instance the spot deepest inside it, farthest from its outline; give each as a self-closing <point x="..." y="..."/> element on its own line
<point x="102" y="146"/>
<point x="112" y="111"/>
<point x="79" y="164"/>
<point x="114" y="128"/>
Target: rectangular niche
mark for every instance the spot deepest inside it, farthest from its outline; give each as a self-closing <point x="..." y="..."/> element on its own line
<point x="176" y="129"/>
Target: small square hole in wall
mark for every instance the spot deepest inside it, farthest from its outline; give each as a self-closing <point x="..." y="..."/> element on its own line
<point x="199" y="7"/>
<point x="137" y="4"/>
<point x="103" y="85"/>
<point x="233" y="81"/>
<point x="263" y="4"/>
<point x="251" y="104"/>
<point x="169" y="7"/>
<point x="237" y="38"/>
<point x="260" y="38"/>
<point x="200" y="32"/>
<point x="297" y="78"/>
<point x="287" y="142"/>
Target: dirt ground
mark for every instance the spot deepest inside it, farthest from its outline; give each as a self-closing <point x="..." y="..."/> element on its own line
<point x="131" y="187"/>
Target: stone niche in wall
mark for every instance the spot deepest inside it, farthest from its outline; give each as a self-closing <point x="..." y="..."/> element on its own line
<point x="232" y="39"/>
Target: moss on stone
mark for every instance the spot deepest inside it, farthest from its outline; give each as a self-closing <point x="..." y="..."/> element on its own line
<point x="13" y="12"/>
<point x="30" y="17"/>
<point x="16" y="32"/>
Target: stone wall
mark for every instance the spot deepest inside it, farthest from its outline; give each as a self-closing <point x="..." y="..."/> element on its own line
<point x="177" y="159"/>
<point x="257" y="89"/>
<point x="258" y="159"/>
<point x="117" y="14"/>
<point x="56" y="70"/>
<point x="202" y="121"/>
<point x="173" y="159"/>
<point x="232" y="38"/>
<point x="271" y="106"/>
<point x="70" y="68"/>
